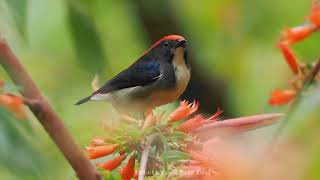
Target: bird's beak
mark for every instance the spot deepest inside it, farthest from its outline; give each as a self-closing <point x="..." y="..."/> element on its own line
<point x="181" y="43"/>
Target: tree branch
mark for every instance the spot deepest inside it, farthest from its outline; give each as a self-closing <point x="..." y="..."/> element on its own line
<point x="46" y="115"/>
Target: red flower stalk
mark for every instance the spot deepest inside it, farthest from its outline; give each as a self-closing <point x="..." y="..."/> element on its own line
<point x="100" y="151"/>
<point x="184" y="110"/>
<point x="112" y="163"/>
<point x="281" y="97"/>
<point x="127" y="172"/>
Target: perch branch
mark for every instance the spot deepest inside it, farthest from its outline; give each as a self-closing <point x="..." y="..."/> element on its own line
<point x="46" y="115"/>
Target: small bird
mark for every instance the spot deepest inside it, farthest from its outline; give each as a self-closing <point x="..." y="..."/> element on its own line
<point x="158" y="77"/>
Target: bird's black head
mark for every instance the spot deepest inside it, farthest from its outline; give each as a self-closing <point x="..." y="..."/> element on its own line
<point x="165" y="48"/>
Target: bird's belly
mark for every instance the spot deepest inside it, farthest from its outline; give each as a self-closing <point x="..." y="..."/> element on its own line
<point x="130" y="99"/>
<point x="162" y="97"/>
<point x="166" y="96"/>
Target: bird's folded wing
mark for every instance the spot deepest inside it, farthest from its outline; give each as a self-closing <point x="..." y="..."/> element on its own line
<point x="139" y="74"/>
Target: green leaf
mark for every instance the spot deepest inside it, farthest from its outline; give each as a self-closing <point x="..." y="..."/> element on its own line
<point x="175" y="155"/>
<point x="16" y="151"/>
<point x="87" y="44"/>
<point x="178" y="136"/>
<point x="110" y="175"/>
<point x="19" y="11"/>
<point x="165" y="150"/>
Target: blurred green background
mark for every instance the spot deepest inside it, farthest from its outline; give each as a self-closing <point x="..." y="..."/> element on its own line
<point x="64" y="43"/>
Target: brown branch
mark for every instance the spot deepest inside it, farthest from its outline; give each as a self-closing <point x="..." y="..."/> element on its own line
<point x="312" y="76"/>
<point x="46" y="115"/>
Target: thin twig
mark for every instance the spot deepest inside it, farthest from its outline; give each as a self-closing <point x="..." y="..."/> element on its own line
<point x="46" y="115"/>
<point x="312" y="76"/>
<point x="145" y="156"/>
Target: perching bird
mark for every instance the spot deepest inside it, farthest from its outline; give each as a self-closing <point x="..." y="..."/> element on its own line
<point x="158" y="77"/>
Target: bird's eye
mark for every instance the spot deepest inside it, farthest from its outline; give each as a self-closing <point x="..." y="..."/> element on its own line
<point x="166" y="43"/>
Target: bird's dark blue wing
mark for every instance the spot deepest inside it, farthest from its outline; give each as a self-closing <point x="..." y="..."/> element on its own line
<point x="139" y="74"/>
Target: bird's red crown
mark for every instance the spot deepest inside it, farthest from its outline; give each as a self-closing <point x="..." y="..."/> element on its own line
<point x="169" y="37"/>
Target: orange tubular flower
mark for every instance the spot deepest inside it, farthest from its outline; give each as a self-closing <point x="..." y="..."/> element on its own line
<point x="191" y="124"/>
<point x="281" y="97"/>
<point x="100" y="151"/>
<point x="289" y="57"/>
<point x="127" y="172"/>
<point x="183" y="111"/>
<point x="112" y="163"/>
<point x="292" y="35"/>
<point x="14" y="104"/>
<point x="314" y="17"/>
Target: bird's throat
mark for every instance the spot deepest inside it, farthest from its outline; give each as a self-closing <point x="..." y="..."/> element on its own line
<point x="182" y="71"/>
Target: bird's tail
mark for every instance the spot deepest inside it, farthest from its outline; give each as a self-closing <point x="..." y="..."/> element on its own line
<point x="83" y="100"/>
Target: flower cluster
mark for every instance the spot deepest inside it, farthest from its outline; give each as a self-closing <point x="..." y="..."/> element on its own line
<point x="177" y="142"/>
<point x="302" y="72"/>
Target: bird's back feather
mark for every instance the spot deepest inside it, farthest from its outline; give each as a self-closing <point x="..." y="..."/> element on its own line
<point x="139" y="74"/>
